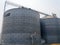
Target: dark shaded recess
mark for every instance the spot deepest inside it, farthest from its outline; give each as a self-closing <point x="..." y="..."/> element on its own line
<point x="8" y="14"/>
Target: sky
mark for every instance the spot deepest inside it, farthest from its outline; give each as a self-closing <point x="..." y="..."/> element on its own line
<point x="46" y="6"/>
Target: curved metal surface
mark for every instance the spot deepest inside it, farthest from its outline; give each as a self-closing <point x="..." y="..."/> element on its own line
<point x="50" y="29"/>
<point x="18" y="26"/>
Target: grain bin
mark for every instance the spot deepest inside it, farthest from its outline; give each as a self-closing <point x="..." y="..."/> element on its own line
<point x="21" y="27"/>
<point x="50" y="30"/>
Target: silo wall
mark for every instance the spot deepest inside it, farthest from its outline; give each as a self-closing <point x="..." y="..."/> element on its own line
<point x="50" y="30"/>
<point x="21" y="26"/>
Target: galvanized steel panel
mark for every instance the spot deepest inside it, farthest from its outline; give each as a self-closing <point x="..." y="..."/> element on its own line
<point x="18" y="26"/>
<point x="50" y="28"/>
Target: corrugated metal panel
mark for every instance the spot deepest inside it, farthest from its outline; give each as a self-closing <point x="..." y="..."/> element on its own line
<point x="19" y="25"/>
<point x="50" y="29"/>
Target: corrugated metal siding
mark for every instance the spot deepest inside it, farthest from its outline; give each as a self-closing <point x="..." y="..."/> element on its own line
<point x="20" y="38"/>
<point x="51" y="30"/>
<point x="19" y="26"/>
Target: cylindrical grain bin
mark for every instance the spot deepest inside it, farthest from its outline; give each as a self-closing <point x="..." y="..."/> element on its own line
<point x="21" y="26"/>
<point x="50" y="30"/>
